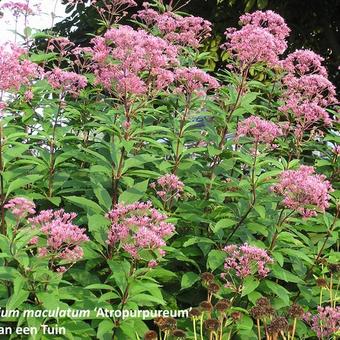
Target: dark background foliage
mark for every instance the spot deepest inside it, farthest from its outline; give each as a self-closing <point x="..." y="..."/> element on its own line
<point x="315" y="24"/>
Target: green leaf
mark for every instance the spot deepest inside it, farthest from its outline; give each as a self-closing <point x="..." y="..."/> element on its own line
<point x="189" y="279"/>
<point x="85" y="203"/>
<point x="17" y="299"/>
<point x="104" y="331"/>
<point x="215" y="259"/>
<point x="8" y="273"/>
<point x="223" y="224"/>
<point x="103" y="196"/>
<point x="284" y="275"/>
<point x="21" y="182"/>
<point x="278" y="290"/>
<point x="134" y="193"/>
<point x="249" y="285"/>
<point x="197" y="239"/>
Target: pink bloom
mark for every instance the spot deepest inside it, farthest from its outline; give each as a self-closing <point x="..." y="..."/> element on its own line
<point x="152" y="264"/>
<point x="34" y="240"/>
<point x="307" y="97"/>
<point x="128" y="60"/>
<point x="20" y="207"/>
<point x="170" y="187"/>
<point x="193" y="80"/>
<point x="28" y="95"/>
<point x="336" y="150"/>
<point x="63" y="238"/>
<point x="302" y="62"/>
<point x="302" y="188"/>
<point x="261" y="39"/>
<point x="138" y="226"/>
<point x="246" y="260"/>
<point x="15" y="71"/>
<point x="259" y="129"/>
<point x="175" y="28"/>
<point x="67" y="82"/>
<point x="18" y="8"/>
<point x="326" y="322"/>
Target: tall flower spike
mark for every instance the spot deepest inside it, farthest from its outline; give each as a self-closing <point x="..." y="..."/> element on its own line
<point x="303" y="188"/>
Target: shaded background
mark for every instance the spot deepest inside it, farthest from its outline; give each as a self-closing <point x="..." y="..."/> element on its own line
<point x="314" y="24"/>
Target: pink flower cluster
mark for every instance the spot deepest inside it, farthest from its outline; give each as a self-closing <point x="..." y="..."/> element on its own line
<point x="245" y="259"/>
<point x="187" y="31"/>
<point x="326" y="322"/>
<point x="130" y="60"/>
<point x="193" y="80"/>
<point x="261" y="39"/>
<point x="20" y="207"/>
<point x="303" y="188"/>
<point x="302" y="62"/>
<point x="68" y="82"/>
<point x="170" y="187"/>
<point x="138" y="226"/>
<point x="307" y="91"/>
<point x="259" y="129"/>
<point x="15" y="71"/>
<point x="18" y="8"/>
<point x="64" y="239"/>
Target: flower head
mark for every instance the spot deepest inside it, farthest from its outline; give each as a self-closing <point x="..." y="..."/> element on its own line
<point x="68" y="82"/>
<point x="18" y="8"/>
<point x="128" y="60"/>
<point x="138" y="226"/>
<point x="193" y="80"/>
<point x="176" y="29"/>
<point x="246" y="260"/>
<point x="169" y="187"/>
<point x="63" y="238"/>
<point x="20" y="207"/>
<point x="303" y="188"/>
<point x="304" y="62"/>
<point x="15" y="70"/>
<point x="259" y="129"/>
<point x="261" y="39"/>
<point x="326" y="322"/>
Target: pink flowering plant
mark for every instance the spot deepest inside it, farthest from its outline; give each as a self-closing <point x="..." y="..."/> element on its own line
<point x="135" y="178"/>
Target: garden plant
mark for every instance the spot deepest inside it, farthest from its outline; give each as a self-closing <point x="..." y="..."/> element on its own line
<point x="133" y="177"/>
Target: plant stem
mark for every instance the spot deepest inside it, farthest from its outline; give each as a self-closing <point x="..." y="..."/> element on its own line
<point x="318" y="256"/>
<point x="258" y="329"/>
<point x="194" y="327"/>
<point x="181" y="133"/>
<point x="294" y="328"/>
<point x="216" y="159"/>
<point x="52" y="151"/>
<point x="2" y="193"/>
<point x="253" y="200"/>
<point x="201" y="326"/>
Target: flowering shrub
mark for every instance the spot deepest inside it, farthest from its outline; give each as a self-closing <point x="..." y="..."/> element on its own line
<point x="134" y="179"/>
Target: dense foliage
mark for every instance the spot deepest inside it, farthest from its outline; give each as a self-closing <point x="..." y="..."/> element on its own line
<point x="132" y="179"/>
